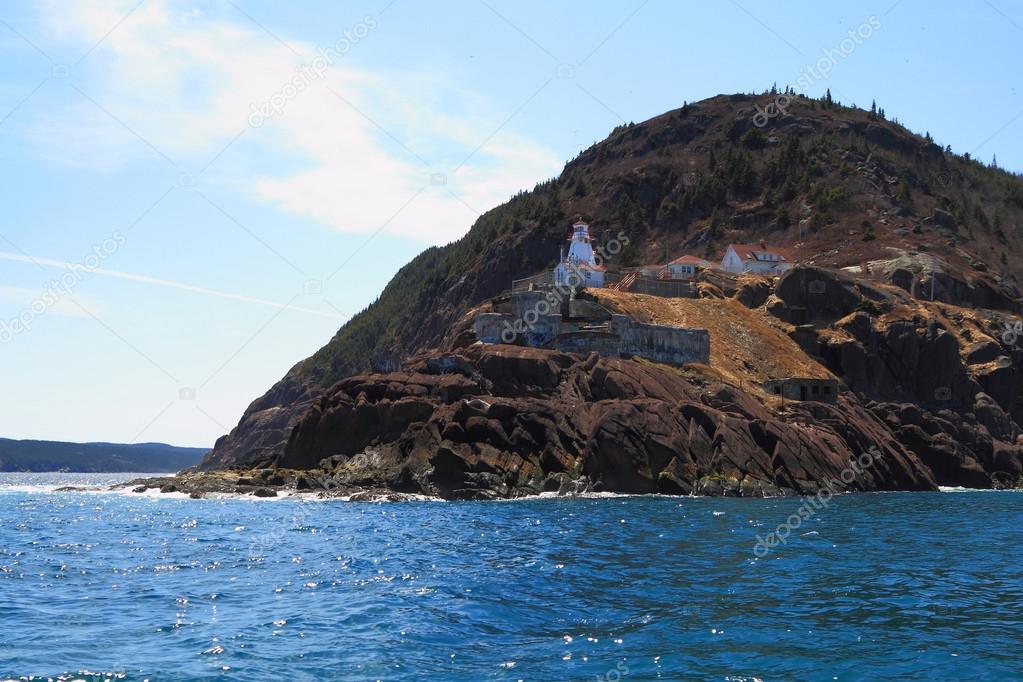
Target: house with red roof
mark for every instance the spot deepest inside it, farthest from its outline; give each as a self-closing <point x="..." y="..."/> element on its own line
<point x="685" y="268"/>
<point x="758" y="258"/>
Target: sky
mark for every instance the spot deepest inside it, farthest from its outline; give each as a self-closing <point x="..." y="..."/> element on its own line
<point x="197" y="194"/>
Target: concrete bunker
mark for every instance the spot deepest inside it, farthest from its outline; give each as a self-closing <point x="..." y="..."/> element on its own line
<point x="547" y="317"/>
<point x="801" y="388"/>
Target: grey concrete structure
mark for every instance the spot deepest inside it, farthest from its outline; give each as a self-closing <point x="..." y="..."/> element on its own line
<point x="589" y="327"/>
<point x="531" y="329"/>
<point x="661" y="343"/>
<point x="795" y="388"/>
<point x="602" y="343"/>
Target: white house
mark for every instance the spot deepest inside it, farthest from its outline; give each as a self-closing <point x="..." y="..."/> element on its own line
<point x="579" y="267"/>
<point x="686" y="267"/>
<point x="756" y="258"/>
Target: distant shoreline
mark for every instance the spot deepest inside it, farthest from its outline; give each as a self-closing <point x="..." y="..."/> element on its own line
<point x="40" y="456"/>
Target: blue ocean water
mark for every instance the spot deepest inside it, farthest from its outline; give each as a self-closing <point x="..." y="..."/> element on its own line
<point x="886" y="586"/>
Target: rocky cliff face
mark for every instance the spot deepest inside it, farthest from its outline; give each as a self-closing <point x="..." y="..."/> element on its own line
<point x="510" y="420"/>
<point x="264" y="428"/>
<point x="519" y="421"/>
<point x="942" y="378"/>
<point x="842" y="188"/>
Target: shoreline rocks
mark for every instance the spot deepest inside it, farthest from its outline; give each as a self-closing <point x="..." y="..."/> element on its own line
<point x="930" y="388"/>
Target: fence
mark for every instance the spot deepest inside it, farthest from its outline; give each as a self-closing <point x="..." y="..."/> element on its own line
<point x="631" y="282"/>
<point x="527" y="283"/>
<point x="665" y="288"/>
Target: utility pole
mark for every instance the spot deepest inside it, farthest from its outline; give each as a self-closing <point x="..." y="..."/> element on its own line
<point x="934" y="261"/>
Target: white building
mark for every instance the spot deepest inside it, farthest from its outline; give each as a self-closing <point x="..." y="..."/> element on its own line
<point x="686" y="267"/>
<point x="757" y="258"/>
<point x="579" y="267"/>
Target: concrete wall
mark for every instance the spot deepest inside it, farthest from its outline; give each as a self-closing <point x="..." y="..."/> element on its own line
<point x="674" y="345"/>
<point x="531" y="329"/>
<point x="582" y="309"/>
<point x="541" y="333"/>
<point x="624" y="337"/>
<point x="532" y="302"/>
<point x="605" y="344"/>
<point x="488" y="326"/>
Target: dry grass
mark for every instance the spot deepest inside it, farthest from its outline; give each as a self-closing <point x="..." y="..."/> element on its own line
<point x="746" y="346"/>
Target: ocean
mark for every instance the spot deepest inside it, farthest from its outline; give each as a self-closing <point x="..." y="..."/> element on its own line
<point x="907" y="586"/>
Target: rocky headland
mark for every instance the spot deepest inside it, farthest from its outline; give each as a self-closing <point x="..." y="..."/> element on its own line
<point x="904" y="297"/>
<point x="493" y="421"/>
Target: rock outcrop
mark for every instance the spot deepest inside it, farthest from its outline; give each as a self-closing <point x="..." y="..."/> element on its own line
<point x="903" y="297"/>
<point x="266" y="425"/>
<point x="954" y="404"/>
<point x="524" y="420"/>
<point x="931" y="391"/>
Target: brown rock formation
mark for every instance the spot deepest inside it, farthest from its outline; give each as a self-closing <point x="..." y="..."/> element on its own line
<point x="523" y="420"/>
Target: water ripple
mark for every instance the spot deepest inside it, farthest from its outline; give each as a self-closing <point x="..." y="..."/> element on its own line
<point x="908" y="586"/>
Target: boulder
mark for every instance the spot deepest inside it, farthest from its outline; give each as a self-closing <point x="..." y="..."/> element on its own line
<point x="753" y="293"/>
<point x="808" y="293"/>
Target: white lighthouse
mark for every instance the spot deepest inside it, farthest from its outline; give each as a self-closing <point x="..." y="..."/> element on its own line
<point x="580" y="267"/>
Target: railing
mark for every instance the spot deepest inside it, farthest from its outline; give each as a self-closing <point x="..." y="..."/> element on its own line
<point x="527" y="283"/>
<point x="631" y="282"/>
<point x="636" y="284"/>
<point x="617" y="283"/>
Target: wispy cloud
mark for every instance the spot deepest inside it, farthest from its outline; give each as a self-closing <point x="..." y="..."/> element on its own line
<point x="355" y="144"/>
<point x="157" y="281"/>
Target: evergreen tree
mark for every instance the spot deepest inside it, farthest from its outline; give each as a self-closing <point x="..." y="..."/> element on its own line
<point x="715" y="224"/>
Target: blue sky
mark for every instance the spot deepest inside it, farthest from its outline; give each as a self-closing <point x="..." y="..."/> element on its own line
<point x="198" y="194"/>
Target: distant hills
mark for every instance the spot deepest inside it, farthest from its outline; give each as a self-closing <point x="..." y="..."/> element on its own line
<point x="43" y="455"/>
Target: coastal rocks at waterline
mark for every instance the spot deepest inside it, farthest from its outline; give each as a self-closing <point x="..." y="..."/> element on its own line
<point x="519" y="421"/>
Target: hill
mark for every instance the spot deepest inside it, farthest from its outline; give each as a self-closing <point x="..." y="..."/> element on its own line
<point x="843" y="188"/>
<point x="42" y="455"/>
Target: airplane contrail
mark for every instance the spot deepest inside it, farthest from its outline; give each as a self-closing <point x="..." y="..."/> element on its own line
<point x="160" y="282"/>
